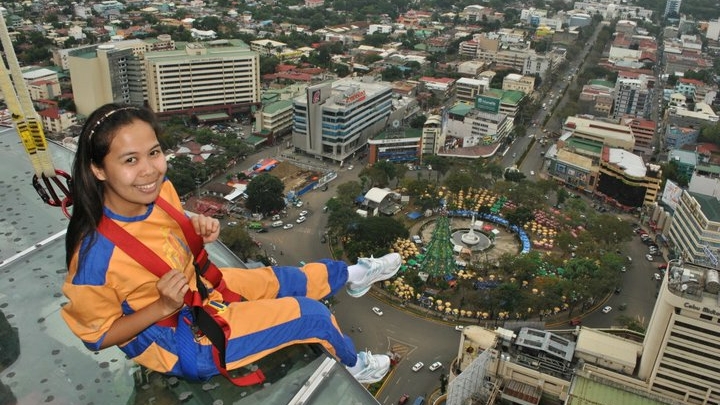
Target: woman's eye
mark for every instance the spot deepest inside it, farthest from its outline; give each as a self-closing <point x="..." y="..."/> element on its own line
<point x="131" y="160"/>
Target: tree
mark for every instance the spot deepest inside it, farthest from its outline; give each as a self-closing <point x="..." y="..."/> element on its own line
<point x="520" y="216"/>
<point x="265" y="194"/>
<point x="239" y="241"/>
<point x="440" y="164"/>
<point x="372" y="236"/>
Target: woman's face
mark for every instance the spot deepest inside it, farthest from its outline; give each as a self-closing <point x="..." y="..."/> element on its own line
<point x="133" y="170"/>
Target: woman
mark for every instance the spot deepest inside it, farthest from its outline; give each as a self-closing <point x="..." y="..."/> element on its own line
<point x="119" y="173"/>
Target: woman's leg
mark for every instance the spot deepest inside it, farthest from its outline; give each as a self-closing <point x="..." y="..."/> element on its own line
<point x="314" y="280"/>
<point x="261" y="327"/>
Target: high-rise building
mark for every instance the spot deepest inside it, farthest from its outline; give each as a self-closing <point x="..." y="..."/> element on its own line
<point x="694" y="227"/>
<point x="681" y="351"/>
<point x="220" y="76"/>
<point x="672" y="7"/>
<point x="632" y="97"/>
<point x="217" y="76"/>
<point x="333" y="120"/>
<point x="99" y="75"/>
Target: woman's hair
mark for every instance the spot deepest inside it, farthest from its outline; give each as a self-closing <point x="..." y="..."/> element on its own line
<point x="93" y="145"/>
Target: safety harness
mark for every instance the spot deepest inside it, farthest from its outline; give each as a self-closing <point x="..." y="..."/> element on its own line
<point x="204" y="320"/>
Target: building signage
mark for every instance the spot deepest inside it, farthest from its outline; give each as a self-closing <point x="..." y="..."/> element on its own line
<point x="315" y="96"/>
<point x="705" y="310"/>
<point x="358" y="96"/>
<point x="488" y="104"/>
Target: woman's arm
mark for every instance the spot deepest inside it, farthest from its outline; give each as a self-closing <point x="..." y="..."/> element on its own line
<point x="172" y="287"/>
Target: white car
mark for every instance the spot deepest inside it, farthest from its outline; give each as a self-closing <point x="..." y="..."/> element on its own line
<point x="459" y="328"/>
<point x="303" y="213"/>
<point x="300" y="220"/>
<point x="299" y="204"/>
<point x="607" y="309"/>
<point x="377" y="311"/>
<point x="435" y="366"/>
<point x="287" y="226"/>
<point x="351" y="167"/>
<point x="232" y="223"/>
<point x="418" y="366"/>
<point x="649" y="257"/>
<point x="532" y="172"/>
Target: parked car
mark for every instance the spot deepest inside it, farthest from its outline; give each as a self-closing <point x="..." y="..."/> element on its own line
<point x="404" y="398"/>
<point x="232" y="223"/>
<point x="303" y="213"/>
<point x="649" y="257"/>
<point x="377" y="311"/>
<point x="435" y="366"/>
<point x="459" y="328"/>
<point x="287" y="226"/>
<point x="607" y="309"/>
<point x="418" y="366"/>
<point x="300" y="220"/>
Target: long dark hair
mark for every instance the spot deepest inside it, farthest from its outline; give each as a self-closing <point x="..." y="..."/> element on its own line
<point x="93" y="145"/>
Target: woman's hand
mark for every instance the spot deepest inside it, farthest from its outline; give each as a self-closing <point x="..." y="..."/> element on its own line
<point x="208" y="228"/>
<point x="172" y="287"/>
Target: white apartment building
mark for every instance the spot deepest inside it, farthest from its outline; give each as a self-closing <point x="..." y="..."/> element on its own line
<point x="276" y="117"/>
<point x="466" y="89"/>
<point x="431" y="135"/>
<point x="203" y="77"/>
<point x="514" y="81"/>
<point x="467" y="126"/>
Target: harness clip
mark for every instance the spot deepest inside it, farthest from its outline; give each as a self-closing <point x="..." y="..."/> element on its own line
<point x="217" y="306"/>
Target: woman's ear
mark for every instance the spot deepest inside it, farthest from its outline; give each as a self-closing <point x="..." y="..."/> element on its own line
<point x="98" y="172"/>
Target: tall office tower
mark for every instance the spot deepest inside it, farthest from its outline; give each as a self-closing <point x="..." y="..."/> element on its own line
<point x="334" y="120"/>
<point x="681" y="351"/>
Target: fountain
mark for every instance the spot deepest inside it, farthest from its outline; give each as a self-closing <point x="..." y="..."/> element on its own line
<point x="470" y="238"/>
<point x="476" y="242"/>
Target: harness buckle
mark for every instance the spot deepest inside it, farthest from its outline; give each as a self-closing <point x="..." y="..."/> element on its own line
<point x="197" y="333"/>
<point x="217" y="306"/>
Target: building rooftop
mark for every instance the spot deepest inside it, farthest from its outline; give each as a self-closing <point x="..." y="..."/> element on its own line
<point x="631" y="163"/>
<point x="400" y="133"/>
<point x="511" y="97"/>
<point x="709" y="204"/>
<point x="684" y="156"/>
<point x="274" y="107"/>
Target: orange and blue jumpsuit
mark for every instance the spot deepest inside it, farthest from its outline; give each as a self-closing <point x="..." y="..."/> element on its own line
<point x="281" y="306"/>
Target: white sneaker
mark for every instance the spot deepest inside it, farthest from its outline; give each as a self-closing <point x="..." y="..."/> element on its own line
<point x="374" y="367"/>
<point x="379" y="269"/>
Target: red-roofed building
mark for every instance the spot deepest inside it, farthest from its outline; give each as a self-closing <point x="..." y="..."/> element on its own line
<point x="644" y="131"/>
<point x="443" y="85"/>
<point x="56" y="120"/>
<point x="413" y="18"/>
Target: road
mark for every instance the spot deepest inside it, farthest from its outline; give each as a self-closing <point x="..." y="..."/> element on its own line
<point x="414" y="338"/>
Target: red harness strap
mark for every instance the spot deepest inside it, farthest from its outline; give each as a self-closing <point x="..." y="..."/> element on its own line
<point x="205" y="323"/>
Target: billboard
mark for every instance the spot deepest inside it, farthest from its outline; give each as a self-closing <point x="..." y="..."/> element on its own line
<point x="488" y="104"/>
<point x="671" y="194"/>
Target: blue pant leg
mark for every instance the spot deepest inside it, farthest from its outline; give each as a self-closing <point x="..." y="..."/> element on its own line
<point x="315" y="322"/>
<point x="293" y="281"/>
